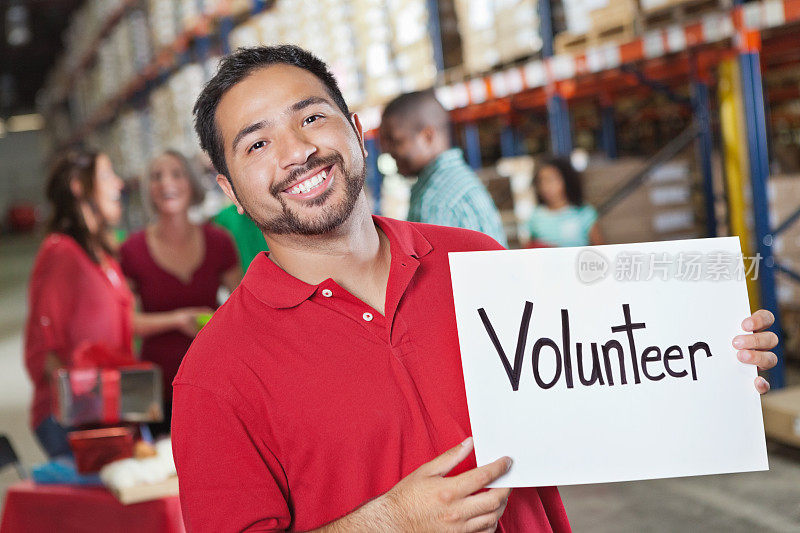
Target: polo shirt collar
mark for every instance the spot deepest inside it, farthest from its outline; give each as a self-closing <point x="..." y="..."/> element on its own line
<point x="280" y="290"/>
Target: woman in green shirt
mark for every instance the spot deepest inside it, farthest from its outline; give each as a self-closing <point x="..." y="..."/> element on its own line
<point x="561" y="218"/>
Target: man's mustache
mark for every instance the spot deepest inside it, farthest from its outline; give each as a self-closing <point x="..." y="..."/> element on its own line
<point x="316" y="162"/>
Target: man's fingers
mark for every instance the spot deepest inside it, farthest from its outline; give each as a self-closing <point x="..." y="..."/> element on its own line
<point x="443" y="464"/>
<point x="759" y="320"/>
<point x="764" y="360"/>
<point x="481" y="524"/>
<point x="477" y="478"/>
<point x="487" y="508"/>
<point x="762" y="385"/>
<point x="486" y="502"/>
<point x="766" y="340"/>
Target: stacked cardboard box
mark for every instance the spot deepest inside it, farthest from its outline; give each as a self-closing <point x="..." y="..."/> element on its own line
<point x="165" y="22"/>
<point x="497" y="31"/>
<point x="614" y="21"/>
<point x="576" y="14"/>
<point x="476" y="25"/>
<point x="661" y="208"/>
<point x="517" y="29"/>
<point x="411" y="44"/>
<point x="784" y="199"/>
<point x="452" y="52"/>
<point x="332" y="41"/>
<point x="519" y="172"/>
<point x="782" y="415"/>
<point x="335" y="42"/>
<point x="373" y="34"/>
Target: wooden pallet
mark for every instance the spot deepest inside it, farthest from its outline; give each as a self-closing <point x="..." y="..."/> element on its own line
<point x="679" y="12"/>
<point x="621" y="32"/>
<point x="613" y="23"/>
<point x="568" y="43"/>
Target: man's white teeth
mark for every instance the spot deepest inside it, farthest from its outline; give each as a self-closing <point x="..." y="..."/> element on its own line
<point x="309" y="184"/>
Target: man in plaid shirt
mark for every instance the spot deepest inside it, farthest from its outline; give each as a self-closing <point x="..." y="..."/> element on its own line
<point x="415" y="130"/>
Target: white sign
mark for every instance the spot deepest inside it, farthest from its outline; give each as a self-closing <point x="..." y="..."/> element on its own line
<point x="609" y="363"/>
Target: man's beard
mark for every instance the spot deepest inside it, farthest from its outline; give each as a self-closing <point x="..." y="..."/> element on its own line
<point x="331" y="217"/>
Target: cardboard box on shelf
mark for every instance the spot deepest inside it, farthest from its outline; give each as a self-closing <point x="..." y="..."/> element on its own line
<point x="783" y="193"/>
<point x="787" y="289"/>
<point x="518" y="43"/>
<point x="619" y="13"/>
<point x="576" y="14"/>
<point x="651" y="199"/>
<point x="782" y="415"/>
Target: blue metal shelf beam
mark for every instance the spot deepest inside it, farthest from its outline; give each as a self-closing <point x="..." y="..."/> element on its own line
<point x="608" y="131"/>
<point x="705" y="149"/>
<point x="752" y="91"/>
<point x="557" y="109"/>
<point x="472" y="145"/>
<point x="374" y="177"/>
<point x="509" y="146"/>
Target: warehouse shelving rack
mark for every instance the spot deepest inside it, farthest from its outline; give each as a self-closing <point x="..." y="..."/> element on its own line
<point x="653" y="61"/>
<point x="192" y="44"/>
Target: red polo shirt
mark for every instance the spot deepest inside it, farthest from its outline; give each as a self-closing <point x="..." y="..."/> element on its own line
<point x="298" y="403"/>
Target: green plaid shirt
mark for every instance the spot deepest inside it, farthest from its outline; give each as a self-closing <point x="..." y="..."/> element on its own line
<point x="449" y="193"/>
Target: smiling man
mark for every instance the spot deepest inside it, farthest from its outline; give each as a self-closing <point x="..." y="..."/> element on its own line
<point x="327" y="393"/>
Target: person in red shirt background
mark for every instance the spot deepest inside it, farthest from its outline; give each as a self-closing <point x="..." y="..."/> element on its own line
<point x="326" y="394"/>
<point x="77" y="292"/>
<point x="175" y="263"/>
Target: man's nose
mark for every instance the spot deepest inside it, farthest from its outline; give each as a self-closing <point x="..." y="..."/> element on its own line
<point x="295" y="149"/>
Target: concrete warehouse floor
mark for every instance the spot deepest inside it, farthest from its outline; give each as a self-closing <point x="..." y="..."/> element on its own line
<point x="760" y="501"/>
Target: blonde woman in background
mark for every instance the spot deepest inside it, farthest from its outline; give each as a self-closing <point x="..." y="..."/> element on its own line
<point x="175" y="263"/>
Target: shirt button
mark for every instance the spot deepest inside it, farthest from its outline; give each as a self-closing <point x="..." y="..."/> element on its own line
<point x="44" y="321"/>
<point x="327" y="293"/>
<point x="367" y="316"/>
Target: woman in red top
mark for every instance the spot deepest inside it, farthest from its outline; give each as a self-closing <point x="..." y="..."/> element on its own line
<point x="77" y="291"/>
<point x="174" y="263"/>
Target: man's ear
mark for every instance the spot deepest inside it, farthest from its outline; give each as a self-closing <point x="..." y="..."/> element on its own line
<point x="429" y="134"/>
<point x="227" y="188"/>
<point x="359" y="131"/>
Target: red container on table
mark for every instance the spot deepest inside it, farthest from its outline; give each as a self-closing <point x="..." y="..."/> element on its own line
<point x="95" y="448"/>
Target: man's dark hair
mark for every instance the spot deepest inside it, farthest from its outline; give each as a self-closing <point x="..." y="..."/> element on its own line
<point x="572" y="179"/>
<point x="418" y="110"/>
<point x="236" y="67"/>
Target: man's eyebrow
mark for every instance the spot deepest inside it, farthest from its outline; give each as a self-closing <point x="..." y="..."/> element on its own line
<point x="244" y="132"/>
<point x="311" y="100"/>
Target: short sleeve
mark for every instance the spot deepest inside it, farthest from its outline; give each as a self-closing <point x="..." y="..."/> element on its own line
<point x="229" y="479"/>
